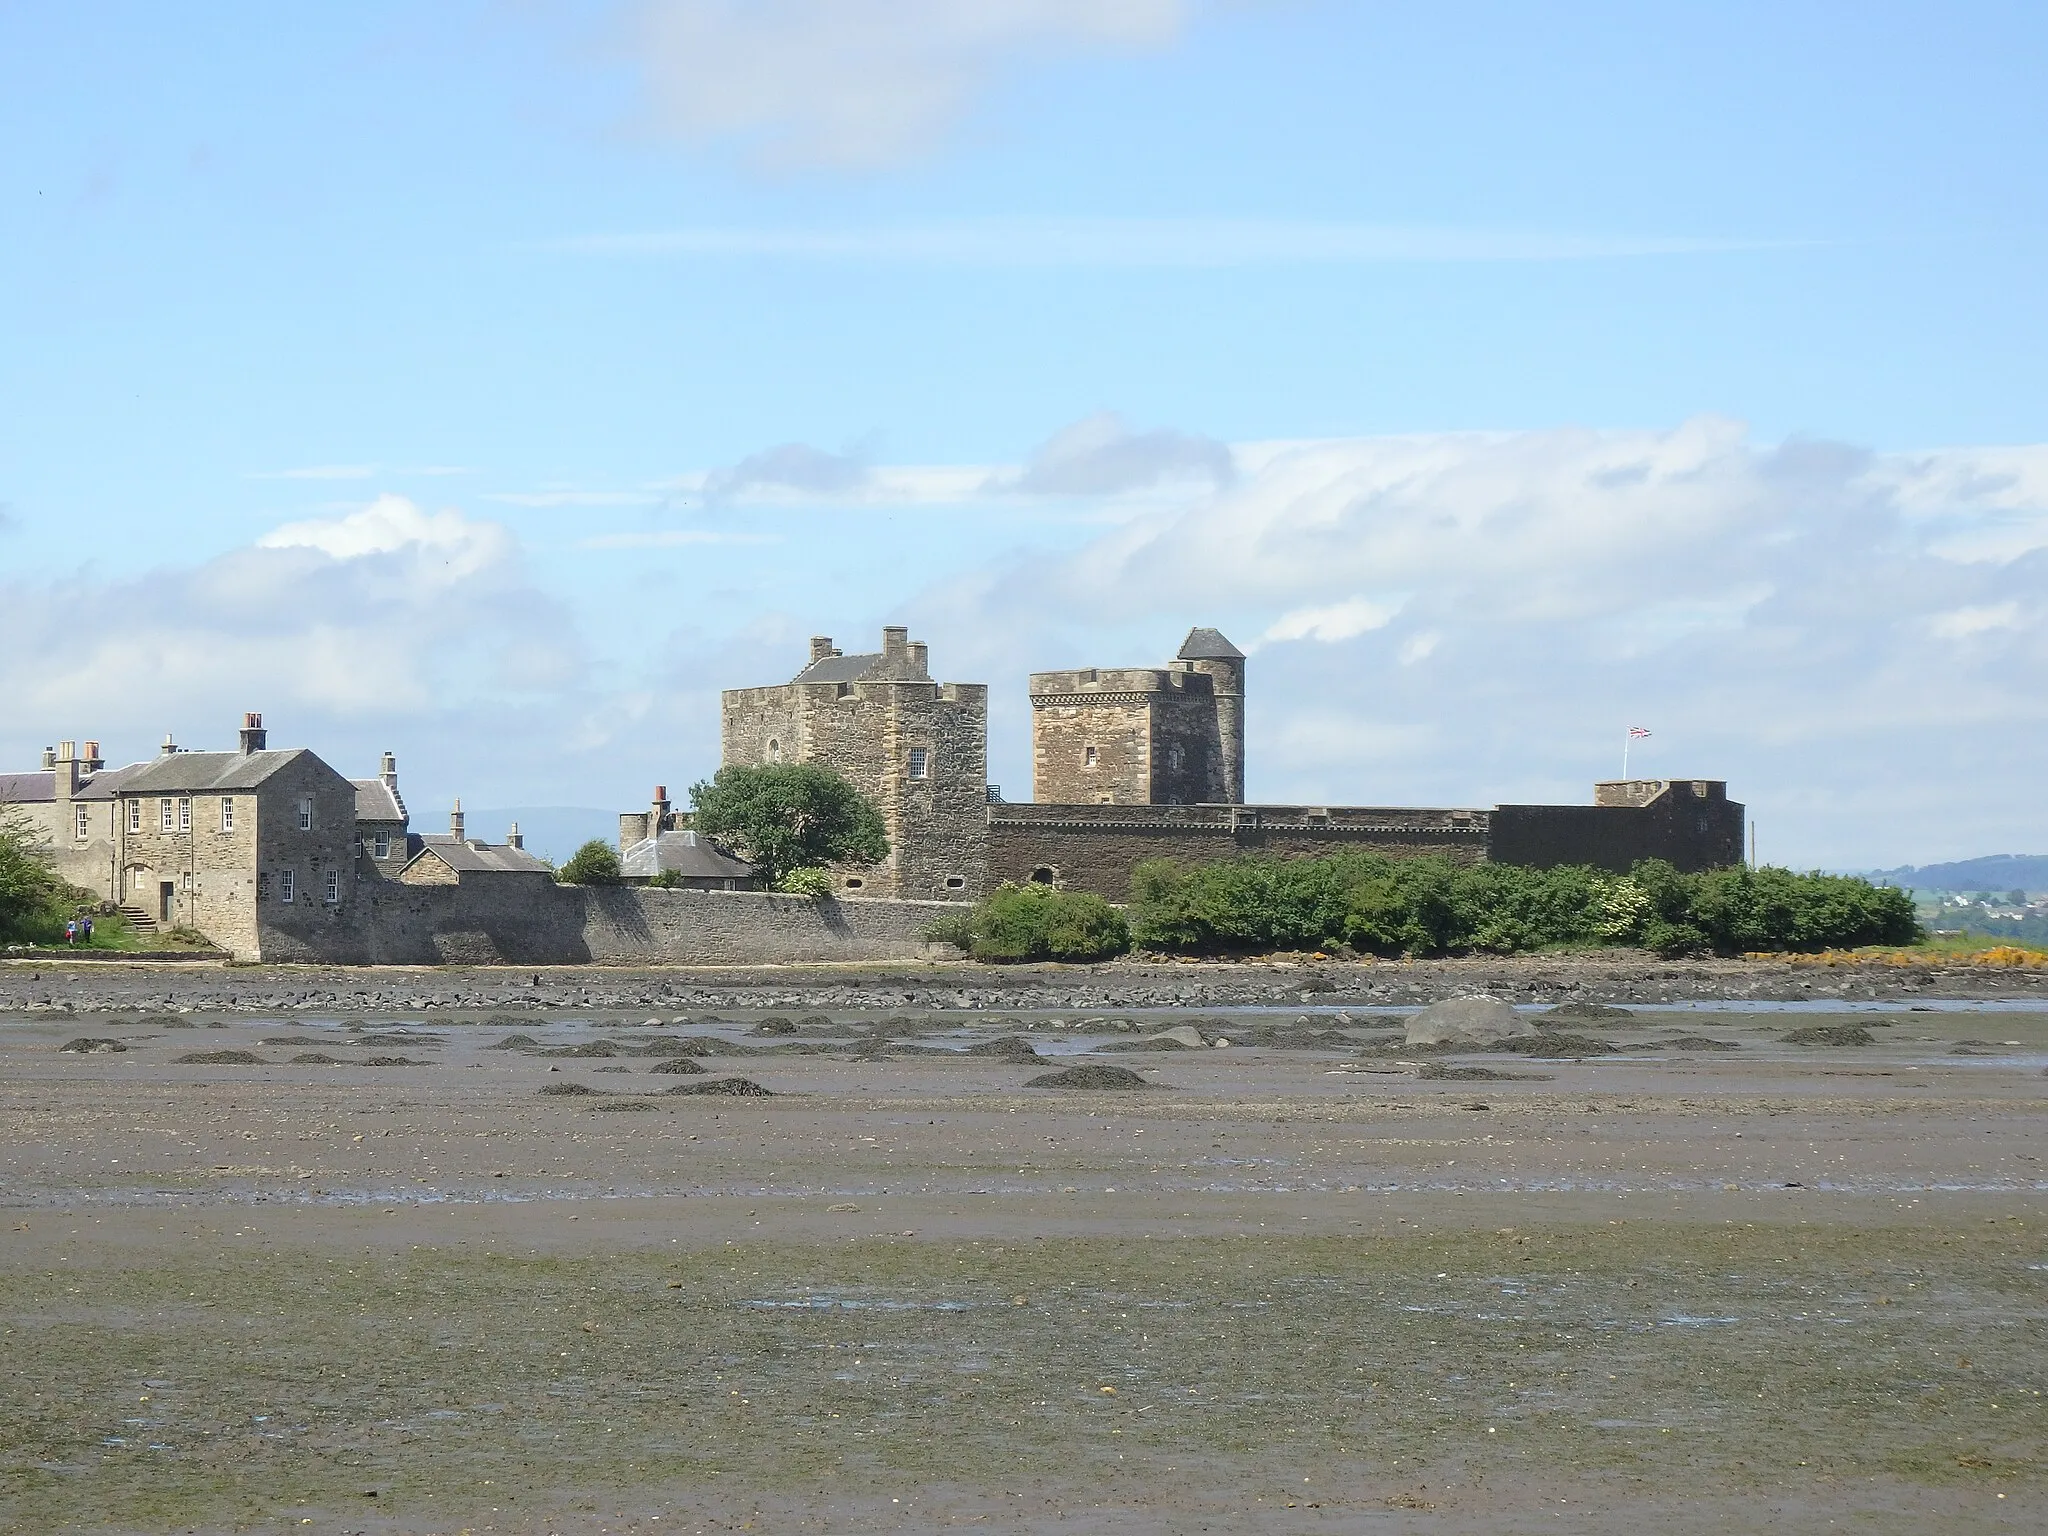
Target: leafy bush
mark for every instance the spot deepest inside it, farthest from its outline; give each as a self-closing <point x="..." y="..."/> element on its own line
<point x="1433" y="907"/>
<point x="808" y="880"/>
<point x="33" y="905"/>
<point x="1037" y="922"/>
<point x="788" y="816"/>
<point x="595" y="863"/>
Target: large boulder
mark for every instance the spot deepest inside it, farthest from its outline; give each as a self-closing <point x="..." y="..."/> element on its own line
<point x="1482" y="1020"/>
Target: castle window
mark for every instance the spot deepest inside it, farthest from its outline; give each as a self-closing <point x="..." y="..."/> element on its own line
<point x="846" y="690"/>
<point x="163" y="815"/>
<point x="333" y="886"/>
<point x="305" y="813"/>
<point x="134" y="815"/>
<point x="185" y="814"/>
<point x="854" y="882"/>
<point x="956" y="882"/>
<point x="284" y="886"/>
<point x="1175" y="757"/>
<point x="774" y="750"/>
<point x="920" y="763"/>
<point x="1088" y="755"/>
<point x="382" y="845"/>
<point x="227" y="813"/>
<point x="1045" y="874"/>
<point x="79" y="814"/>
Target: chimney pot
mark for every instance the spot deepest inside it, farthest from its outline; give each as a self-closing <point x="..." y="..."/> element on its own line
<point x="169" y="748"/>
<point x="254" y="737"/>
<point x="67" y="751"/>
<point x="514" y="838"/>
<point x="92" y="761"/>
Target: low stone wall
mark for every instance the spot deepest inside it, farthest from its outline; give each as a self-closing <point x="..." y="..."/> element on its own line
<point x="520" y="921"/>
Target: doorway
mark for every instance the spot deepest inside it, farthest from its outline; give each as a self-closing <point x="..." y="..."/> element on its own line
<point x="165" y="892"/>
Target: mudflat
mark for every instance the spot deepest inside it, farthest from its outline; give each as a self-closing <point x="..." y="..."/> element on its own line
<point x="1764" y="1249"/>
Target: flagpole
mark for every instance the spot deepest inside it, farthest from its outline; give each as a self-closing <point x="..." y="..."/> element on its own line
<point x="1627" y="737"/>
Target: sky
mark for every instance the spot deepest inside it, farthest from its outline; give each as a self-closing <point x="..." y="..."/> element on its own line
<point x="494" y="382"/>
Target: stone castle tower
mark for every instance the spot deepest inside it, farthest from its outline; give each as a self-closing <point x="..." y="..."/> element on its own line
<point x="917" y="748"/>
<point x="1171" y="735"/>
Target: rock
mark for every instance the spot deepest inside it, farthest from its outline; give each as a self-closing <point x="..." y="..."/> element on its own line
<point x="678" y="1066"/>
<point x="722" y="1088"/>
<point x="1090" y="1077"/>
<point x="88" y="1044"/>
<point x="1482" y="1020"/>
<point x="1186" y="1034"/>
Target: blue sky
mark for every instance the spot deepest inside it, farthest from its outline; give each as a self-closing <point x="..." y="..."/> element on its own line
<point x="496" y="384"/>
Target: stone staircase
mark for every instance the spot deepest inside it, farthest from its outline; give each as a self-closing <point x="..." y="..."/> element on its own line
<point x="139" y="919"/>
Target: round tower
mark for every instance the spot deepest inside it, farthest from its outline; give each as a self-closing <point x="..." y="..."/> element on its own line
<point x="1206" y="651"/>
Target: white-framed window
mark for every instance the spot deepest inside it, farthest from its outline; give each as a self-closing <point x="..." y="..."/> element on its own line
<point x="185" y="814"/>
<point x="381" y="845"/>
<point x="774" y="750"/>
<point x="185" y="880"/>
<point x="305" y="813"/>
<point x="1088" y="755"/>
<point x="333" y="891"/>
<point x="227" y="813"/>
<point x="134" y="815"/>
<point x="80" y="818"/>
<point x="284" y="885"/>
<point x="164" y="811"/>
<point x="920" y="763"/>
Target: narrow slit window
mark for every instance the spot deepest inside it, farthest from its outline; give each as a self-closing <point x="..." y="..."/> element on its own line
<point x="1087" y="757"/>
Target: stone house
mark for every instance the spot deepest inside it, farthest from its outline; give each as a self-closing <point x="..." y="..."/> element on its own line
<point x="917" y="748"/>
<point x="454" y="858"/>
<point x="1171" y="735"/>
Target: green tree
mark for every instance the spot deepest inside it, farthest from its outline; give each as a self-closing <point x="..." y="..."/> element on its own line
<point x="787" y="816"/>
<point x="595" y="863"/>
<point x="31" y="895"/>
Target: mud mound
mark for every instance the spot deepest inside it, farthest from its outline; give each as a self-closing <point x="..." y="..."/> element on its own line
<point x="388" y="1061"/>
<point x="568" y="1091"/>
<point x="1830" y="1034"/>
<point x="602" y="1070"/>
<point x="514" y="1043"/>
<point x="1699" y="1043"/>
<point x="1971" y="1048"/>
<point x="85" y="1045"/>
<point x="678" y="1066"/>
<point x="1555" y="1045"/>
<point x="1008" y="1048"/>
<point x="722" y="1088"/>
<point x="1090" y="1077"/>
<point x="1436" y="1071"/>
<point x="590" y="1050"/>
<point x="626" y="1106"/>
<point x="1584" y="1011"/>
<point x="776" y="1027"/>
<point x="665" y="1048"/>
<point x="399" y="1037"/>
<point x="316" y="1059"/>
<point x="165" y="1021"/>
<point x="221" y="1059"/>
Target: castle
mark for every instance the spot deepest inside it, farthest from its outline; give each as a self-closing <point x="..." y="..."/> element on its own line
<point x="1136" y="763"/>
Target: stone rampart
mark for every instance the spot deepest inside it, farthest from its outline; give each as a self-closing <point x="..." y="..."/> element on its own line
<point x="515" y="921"/>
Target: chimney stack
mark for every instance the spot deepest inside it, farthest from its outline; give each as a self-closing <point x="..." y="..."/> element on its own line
<point x="254" y="737"/>
<point x="92" y="762"/>
<point x="66" y="767"/>
<point x="821" y="647"/>
<point x="49" y="758"/>
<point x="514" y="838"/>
<point x="387" y="770"/>
<point x="921" y="658"/>
<point x="455" y="822"/>
<point x="169" y="748"/>
<point x="657" y="822"/>
<point x="895" y="640"/>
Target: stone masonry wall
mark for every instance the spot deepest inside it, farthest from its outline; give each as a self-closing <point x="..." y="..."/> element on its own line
<point x="524" y="920"/>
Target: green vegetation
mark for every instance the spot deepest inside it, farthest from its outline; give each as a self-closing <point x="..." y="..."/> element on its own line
<point x="808" y="880"/>
<point x="783" y="817"/>
<point x="32" y="899"/>
<point x="595" y="863"/>
<point x="1434" y="907"/>
<point x="1036" y="922"/>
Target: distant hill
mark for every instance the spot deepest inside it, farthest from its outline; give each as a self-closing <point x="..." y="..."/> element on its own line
<point x="1996" y="872"/>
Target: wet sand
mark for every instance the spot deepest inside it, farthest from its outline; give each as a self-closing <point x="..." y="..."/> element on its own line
<point x="1292" y="1286"/>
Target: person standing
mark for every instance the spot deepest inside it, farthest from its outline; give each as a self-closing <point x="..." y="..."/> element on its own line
<point x="71" y="932"/>
<point x="85" y="929"/>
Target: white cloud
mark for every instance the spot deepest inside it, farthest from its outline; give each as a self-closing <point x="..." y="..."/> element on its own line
<point x="446" y="546"/>
<point x="1149" y="243"/>
<point x="856" y="84"/>
<point x="1100" y="455"/>
<point x="1791" y="617"/>
<point x="674" y="538"/>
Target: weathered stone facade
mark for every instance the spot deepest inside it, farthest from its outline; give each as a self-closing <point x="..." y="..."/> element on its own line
<point x="1169" y="735"/>
<point x="917" y="748"/>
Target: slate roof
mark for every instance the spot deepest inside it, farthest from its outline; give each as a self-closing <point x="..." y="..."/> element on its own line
<point x="467" y="858"/>
<point x="377" y="801"/>
<point x="838" y="669"/>
<point x="1208" y="645"/>
<point x="685" y="853"/>
<point x="210" y="772"/>
<point x="41" y="788"/>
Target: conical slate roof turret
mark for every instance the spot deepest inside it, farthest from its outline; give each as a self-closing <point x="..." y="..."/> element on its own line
<point x="1208" y="645"/>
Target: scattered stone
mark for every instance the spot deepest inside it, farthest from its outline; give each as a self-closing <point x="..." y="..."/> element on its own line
<point x="388" y="1061"/>
<point x="678" y="1066"/>
<point x="1482" y="1020"/>
<point x="1436" y="1071"/>
<point x="1092" y="1076"/>
<point x="1830" y="1034"/>
<point x="221" y="1059"/>
<point x="87" y="1044"/>
<point x="625" y="1105"/>
<point x="722" y="1088"/>
<point x="614" y="1069"/>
